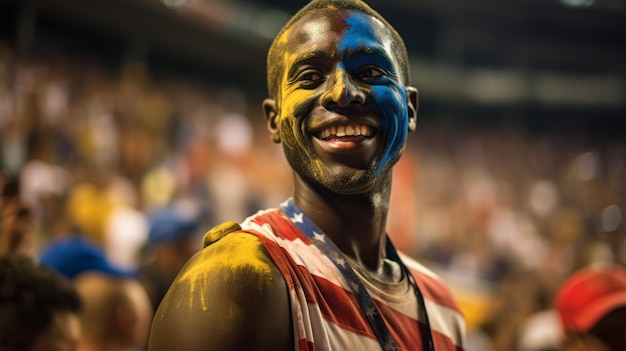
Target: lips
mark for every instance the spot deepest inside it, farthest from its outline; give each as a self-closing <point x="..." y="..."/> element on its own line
<point x="350" y="131"/>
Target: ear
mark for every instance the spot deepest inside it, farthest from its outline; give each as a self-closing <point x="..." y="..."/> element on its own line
<point x="412" y="97"/>
<point x="272" y="118"/>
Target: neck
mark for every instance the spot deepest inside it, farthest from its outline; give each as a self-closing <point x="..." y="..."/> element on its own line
<point x="357" y="225"/>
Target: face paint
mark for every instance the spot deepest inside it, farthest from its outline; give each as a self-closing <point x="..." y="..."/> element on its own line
<point x="389" y="102"/>
<point x="345" y="59"/>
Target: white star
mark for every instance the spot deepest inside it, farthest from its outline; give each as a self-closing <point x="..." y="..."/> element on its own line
<point x="319" y="237"/>
<point x="341" y="262"/>
<point x="297" y="218"/>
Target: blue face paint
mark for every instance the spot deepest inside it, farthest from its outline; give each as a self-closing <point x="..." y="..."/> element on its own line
<point x="341" y="52"/>
<point x="388" y="94"/>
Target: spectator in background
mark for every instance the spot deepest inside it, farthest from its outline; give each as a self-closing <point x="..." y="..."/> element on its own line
<point x="75" y="255"/>
<point x="592" y="308"/>
<point x="171" y="242"/>
<point x="17" y="235"/>
<point x="117" y="311"/>
<point x="116" y="314"/>
<point x="39" y="309"/>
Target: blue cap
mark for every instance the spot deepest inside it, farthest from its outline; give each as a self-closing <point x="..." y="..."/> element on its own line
<point x="74" y="255"/>
<point x="167" y="226"/>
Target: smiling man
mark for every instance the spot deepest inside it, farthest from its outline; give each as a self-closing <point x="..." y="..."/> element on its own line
<point x="319" y="272"/>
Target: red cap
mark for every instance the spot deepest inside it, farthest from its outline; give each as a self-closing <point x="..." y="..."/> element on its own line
<point x="589" y="294"/>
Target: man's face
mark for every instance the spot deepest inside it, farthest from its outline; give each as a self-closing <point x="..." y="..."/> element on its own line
<point x="341" y="111"/>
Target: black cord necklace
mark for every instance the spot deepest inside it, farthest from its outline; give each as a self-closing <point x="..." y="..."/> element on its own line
<point x="324" y="244"/>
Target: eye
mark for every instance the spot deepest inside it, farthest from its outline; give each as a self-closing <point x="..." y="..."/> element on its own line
<point x="309" y="78"/>
<point x="371" y="73"/>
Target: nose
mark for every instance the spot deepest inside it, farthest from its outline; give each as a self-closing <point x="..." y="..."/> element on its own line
<point x="342" y="91"/>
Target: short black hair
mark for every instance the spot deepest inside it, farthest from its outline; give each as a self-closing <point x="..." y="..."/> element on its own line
<point x="30" y="296"/>
<point x="274" y="70"/>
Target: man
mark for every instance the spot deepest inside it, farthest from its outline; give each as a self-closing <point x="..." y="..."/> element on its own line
<point x="116" y="314"/>
<point x="320" y="272"/>
<point x="39" y="309"/>
<point x="592" y="308"/>
<point x="116" y="311"/>
<point x="171" y="242"/>
<point x="73" y="255"/>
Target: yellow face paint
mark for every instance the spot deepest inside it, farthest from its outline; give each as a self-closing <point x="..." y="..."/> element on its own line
<point x="326" y="58"/>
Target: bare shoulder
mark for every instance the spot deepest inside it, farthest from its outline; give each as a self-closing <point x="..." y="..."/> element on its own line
<point x="229" y="296"/>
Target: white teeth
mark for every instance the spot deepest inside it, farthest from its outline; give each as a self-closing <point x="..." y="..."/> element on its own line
<point x="341" y="131"/>
<point x="349" y="130"/>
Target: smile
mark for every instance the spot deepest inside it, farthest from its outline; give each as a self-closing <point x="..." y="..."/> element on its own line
<point x="343" y="131"/>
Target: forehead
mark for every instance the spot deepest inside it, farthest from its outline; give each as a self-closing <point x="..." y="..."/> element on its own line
<point x="337" y="32"/>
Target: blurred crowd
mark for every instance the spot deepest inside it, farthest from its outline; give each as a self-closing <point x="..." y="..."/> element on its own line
<point x="111" y="154"/>
<point x="508" y="215"/>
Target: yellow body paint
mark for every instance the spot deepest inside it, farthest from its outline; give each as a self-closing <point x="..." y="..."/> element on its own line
<point x="219" y="231"/>
<point x="235" y="263"/>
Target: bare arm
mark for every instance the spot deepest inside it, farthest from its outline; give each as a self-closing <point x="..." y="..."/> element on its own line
<point x="229" y="296"/>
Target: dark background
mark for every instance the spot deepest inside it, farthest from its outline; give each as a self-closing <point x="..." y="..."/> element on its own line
<point x="538" y="64"/>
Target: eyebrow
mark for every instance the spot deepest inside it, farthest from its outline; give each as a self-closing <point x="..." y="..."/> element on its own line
<point x="372" y="51"/>
<point x="302" y="59"/>
<point x="368" y="50"/>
